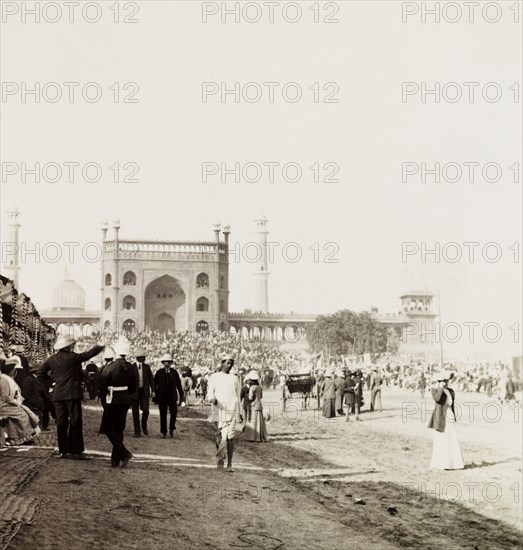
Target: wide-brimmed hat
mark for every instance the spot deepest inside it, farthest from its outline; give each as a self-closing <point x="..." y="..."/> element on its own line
<point x="14" y="361"/>
<point x="122" y="348"/>
<point x="64" y="342"/>
<point x="442" y="375"/>
<point x="253" y="375"/>
<point x="108" y="353"/>
<point x="167" y="358"/>
<point x="140" y="352"/>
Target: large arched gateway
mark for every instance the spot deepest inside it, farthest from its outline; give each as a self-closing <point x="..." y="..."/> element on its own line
<point x="165" y="305"/>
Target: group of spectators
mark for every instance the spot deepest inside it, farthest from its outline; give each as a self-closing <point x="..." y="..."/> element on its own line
<point x="197" y="354"/>
<point x="490" y="378"/>
<point x="201" y="351"/>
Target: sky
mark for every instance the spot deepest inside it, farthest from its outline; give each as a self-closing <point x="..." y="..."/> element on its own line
<point x="362" y="236"/>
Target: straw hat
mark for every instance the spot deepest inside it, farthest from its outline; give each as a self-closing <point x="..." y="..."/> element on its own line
<point x="140" y="352"/>
<point x="253" y="375"/>
<point x="108" y="353"/>
<point x="167" y="358"/>
<point x="442" y="375"/>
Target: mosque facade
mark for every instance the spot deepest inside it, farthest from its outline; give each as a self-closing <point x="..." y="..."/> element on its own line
<point x="184" y="286"/>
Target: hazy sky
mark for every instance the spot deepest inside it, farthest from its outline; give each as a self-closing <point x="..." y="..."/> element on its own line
<point x="368" y="133"/>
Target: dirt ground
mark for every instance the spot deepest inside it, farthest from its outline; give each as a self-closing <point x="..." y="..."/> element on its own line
<point x="299" y="491"/>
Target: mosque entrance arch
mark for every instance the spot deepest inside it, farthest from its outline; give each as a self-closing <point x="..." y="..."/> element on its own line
<point x="165" y="305"/>
<point x="164" y="323"/>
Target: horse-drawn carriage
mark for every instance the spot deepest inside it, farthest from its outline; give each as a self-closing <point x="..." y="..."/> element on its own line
<point x="299" y="383"/>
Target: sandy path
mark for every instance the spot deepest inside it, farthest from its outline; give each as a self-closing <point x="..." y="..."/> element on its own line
<point x="297" y="492"/>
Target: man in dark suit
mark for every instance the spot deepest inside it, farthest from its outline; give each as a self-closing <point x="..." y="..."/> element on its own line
<point x="92" y="373"/>
<point x="144" y="388"/>
<point x="168" y="390"/>
<point x="65" y="368"/>
<point x="37" y="398"/>
<point x="117" y="383"/>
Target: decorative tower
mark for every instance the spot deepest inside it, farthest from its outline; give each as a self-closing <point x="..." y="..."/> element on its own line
<point x="261" y="275"/>
<point x="11" y="247"/>
<point x="420" y="332"/>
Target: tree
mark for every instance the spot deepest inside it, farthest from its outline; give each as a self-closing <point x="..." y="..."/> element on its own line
<point x="346" y="332"/>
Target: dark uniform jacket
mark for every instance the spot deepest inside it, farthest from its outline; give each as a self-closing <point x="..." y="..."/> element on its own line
<point x="34" y="394"/>
<point x="166" y="384"/>
<point x="439" y="415"/>
<point x="119" y="373"/>
<point x="92" y="372"/>
<point x="65" y="368"/>
<point x="148" y="381"/>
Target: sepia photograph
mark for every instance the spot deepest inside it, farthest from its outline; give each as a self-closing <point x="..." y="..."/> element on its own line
<point x="261" y="282"/>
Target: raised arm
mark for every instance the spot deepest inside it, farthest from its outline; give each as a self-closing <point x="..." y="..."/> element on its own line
<point x="86" y="355"/>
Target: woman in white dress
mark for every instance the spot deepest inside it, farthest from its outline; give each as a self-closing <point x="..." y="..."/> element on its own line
<point x="446" y="452"/>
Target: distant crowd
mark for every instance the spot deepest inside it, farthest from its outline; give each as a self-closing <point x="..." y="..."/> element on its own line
<point x="201" y="351"/>
<point x="488" y="377"/>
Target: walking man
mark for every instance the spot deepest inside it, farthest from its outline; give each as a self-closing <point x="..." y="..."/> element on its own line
<point x="168" y="390"/>
<point x="224" y="393"/>
<point x="117" y="382"/>
<point x="144" y="388"/>
<point x="65" y="368"/>
<point x="91" y="374"/>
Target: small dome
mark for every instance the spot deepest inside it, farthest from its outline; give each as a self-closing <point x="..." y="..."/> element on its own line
<point x="68" y="295"/>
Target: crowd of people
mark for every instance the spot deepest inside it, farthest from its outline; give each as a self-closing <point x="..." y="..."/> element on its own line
<point x="495" y="379"/>
<point x="122" y="379"/>
<point x="202" y="350"/>
<point x="221" y="369"/>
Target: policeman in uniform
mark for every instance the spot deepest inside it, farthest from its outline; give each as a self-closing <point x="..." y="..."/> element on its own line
<point x="117" y="382"/>
<point x="108" y="359"/>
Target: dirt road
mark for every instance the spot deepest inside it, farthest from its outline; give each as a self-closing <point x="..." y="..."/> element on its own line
<point x="298" y="491"/>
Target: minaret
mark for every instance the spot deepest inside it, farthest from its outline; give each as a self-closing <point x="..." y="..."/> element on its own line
<point x="116" y="275"/>
<point x="11" y="247"/>
<point x="261" y="275"/>
<point x="104" y="228"/>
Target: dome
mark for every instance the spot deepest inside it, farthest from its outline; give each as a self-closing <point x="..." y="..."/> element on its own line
<point x="68" y="294"/>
